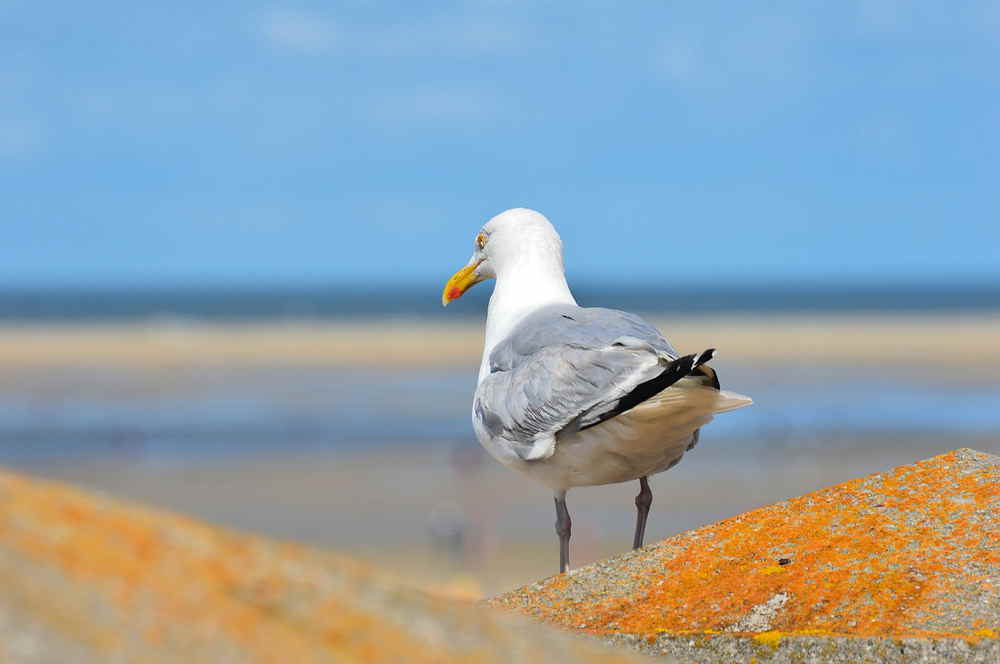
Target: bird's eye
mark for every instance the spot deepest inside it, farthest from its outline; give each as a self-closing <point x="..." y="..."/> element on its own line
<point x="480" y="241"/>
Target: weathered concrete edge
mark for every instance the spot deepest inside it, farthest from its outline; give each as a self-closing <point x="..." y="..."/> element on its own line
<point x="783" y="648"/>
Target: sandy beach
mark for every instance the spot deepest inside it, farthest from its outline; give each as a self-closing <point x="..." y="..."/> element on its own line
<point x="970" y="341"/>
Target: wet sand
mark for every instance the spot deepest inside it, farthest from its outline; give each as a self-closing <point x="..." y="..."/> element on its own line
<point x="443" y="515"/>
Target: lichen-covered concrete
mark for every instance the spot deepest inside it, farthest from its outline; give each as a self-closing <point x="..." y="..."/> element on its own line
<point x="902" y="566"/>
<point x="85" y="578"/>
<point x="898" y="566"/>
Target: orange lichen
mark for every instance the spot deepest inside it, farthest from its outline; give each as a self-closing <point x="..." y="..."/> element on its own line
<point x="984" y="634"/>
<point x="108" y="576"/>
<point x="771" y="639"/>
<point x="870" y="557"/>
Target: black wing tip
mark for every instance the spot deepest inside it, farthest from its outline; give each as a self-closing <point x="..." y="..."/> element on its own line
<point x="675" y="371"/>
<point x="688" y="363"/>
<point x="704" y="356"/>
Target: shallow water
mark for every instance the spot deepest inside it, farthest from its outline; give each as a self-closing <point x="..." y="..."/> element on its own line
<point x="168" y="416"/>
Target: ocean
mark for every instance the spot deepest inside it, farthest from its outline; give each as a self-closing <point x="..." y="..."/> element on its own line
<point x="340" y="302"/>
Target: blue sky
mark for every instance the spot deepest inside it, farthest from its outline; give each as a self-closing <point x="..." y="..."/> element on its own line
<point x="363" y="142"/>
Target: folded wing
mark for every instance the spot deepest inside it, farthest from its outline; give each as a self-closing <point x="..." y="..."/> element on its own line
<point x="568" y="368"/>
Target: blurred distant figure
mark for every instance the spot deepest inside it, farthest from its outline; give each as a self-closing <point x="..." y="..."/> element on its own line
<point x="448" y="530"/>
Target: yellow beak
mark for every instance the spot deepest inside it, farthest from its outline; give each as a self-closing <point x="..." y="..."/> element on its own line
<point x="460" y="282"/>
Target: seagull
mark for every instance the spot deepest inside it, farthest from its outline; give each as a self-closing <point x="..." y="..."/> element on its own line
<point x="576" y="396"/>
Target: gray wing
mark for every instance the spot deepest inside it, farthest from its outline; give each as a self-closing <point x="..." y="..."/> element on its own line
<point x="565" y="368"/>
<point x="578" y="327"/>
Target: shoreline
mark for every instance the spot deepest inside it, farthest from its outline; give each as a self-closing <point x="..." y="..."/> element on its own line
<point x="968" y="341"/>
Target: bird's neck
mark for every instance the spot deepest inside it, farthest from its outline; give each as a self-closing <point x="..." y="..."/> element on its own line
<point x="522" y="288"/>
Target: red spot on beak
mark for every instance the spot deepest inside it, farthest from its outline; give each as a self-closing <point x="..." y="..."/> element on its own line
<point x="454" y="293"/>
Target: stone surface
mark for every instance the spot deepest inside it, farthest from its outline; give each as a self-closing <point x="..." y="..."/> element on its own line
<point x="900" y="566"/>
<point x="84" y="578"/>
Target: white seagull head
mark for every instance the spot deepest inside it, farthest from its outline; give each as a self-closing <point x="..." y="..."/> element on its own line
<point x="519" y="240"/>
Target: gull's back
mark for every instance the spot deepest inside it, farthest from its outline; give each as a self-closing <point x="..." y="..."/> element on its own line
<point x="579" y="327"/>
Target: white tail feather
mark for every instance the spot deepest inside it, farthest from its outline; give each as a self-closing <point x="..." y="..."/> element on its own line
<point x="727" y="401"/>
<point x="693" y="399"/>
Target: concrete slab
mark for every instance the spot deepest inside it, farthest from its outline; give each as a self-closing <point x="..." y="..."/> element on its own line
<point x="900" y="566"/>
